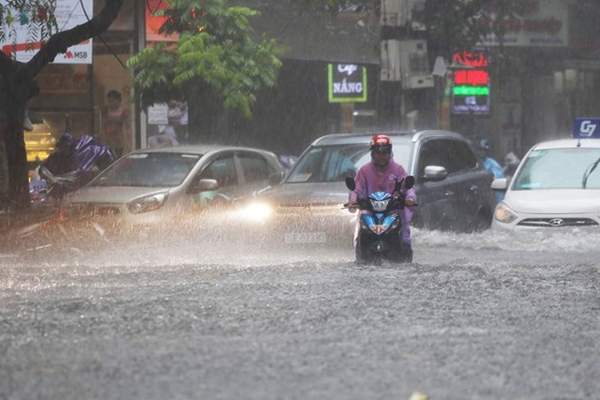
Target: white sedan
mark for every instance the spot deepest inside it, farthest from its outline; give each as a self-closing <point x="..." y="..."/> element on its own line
<point x="557" y="184"/>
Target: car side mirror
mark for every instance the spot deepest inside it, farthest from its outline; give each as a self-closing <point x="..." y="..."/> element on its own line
<point x="204" y="185"/>
<point x="350" y="184"/>
<point x="408" y="182"/>
<point x="435" y="173"/>
<point x="500" y="184"/>
<point x="275" y="178"/>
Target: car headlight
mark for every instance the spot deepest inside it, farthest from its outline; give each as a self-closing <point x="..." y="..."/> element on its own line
<point x="257" y="212"/>
<point x="147" y="203"/>
<point x="379" y="206"/>
<point x="504" y="214"/>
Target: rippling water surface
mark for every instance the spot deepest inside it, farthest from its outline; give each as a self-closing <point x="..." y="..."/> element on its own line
<point x="185" y="313"/>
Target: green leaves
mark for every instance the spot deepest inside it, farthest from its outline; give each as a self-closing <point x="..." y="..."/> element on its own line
<point x="153" y="72"/>
<point x="215" y="52"/>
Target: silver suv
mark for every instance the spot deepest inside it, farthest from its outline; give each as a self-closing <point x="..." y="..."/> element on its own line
<point x="453" y="189"/>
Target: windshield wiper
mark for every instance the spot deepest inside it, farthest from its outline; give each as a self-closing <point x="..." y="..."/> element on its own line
<point x="588" y="172"/>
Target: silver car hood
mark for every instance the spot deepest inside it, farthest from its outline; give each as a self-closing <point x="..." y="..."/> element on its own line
<point x="111" y="195"/>
<point x="313" y="193"/>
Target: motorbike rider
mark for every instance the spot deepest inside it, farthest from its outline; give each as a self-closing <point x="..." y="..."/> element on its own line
<point x="80" y="159"/>
<point x="381" y="174"/>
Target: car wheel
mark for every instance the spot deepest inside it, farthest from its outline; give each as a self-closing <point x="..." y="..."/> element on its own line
<point x="482" y="222"/>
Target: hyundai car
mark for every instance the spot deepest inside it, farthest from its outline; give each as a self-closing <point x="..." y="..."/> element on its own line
<point x="556" y="185"/>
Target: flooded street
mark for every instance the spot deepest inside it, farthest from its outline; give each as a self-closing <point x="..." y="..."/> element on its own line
<point x="482" y="316"/>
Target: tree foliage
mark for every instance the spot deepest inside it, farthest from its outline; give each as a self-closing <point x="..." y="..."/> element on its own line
<point x="215" y="51"/>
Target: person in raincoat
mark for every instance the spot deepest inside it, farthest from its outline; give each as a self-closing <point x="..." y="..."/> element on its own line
<point x="381" y="174"/>
<point x="482" y="149"/>
<point x="74" y="163"/>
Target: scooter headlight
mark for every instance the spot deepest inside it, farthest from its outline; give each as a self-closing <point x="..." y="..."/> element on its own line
<point x="379" y="205"/>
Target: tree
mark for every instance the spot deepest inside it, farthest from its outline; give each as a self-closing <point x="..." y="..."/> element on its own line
<point x="215" y="60"/>
<point x="19" y="85"/>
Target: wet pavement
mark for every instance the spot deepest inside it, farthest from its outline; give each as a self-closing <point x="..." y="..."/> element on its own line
<point x="182" y="316"/>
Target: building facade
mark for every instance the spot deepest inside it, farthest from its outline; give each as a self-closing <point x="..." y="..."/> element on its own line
<point x="551" y="83"/>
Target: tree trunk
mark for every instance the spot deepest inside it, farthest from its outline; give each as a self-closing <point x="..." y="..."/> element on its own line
<point x="19" y="86"/>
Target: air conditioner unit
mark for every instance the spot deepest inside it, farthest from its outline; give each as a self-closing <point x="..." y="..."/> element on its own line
<point x="389" y="11"/>
<point x="390" y="61"/>
<point x="403" y="12"/>
<point x="406" y="61"/>
<point x="414" y="64"/>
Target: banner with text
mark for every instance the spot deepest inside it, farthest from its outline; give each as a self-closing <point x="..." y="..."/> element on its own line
<point x="69" y="13"/>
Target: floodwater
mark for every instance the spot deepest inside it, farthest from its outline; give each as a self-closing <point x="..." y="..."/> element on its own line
<point x="189" y="315"/>
<point x="193" y="243"/>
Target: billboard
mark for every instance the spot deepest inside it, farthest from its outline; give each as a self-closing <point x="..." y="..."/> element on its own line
<point x="541" y="23"/>
<point x="18" y="40"/>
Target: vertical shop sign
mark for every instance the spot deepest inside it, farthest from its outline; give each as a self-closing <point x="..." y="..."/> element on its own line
<point x="470" y="84"/>
<point x="69" y="14"/>
<point x="347" y="83"/>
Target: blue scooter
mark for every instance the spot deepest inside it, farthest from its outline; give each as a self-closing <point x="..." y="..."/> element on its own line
<point x="379" y="234"/>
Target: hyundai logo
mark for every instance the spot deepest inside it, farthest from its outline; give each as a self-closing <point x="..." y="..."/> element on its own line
<point x="555" y="222"/>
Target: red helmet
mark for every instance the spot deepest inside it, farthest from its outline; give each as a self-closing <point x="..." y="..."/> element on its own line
<point x="381" y="144"/>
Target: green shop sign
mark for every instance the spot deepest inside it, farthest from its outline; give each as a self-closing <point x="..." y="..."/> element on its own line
<point x="347" y="83"/>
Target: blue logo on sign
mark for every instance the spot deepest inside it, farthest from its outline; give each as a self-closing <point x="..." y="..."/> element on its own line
<point x="586" y="128"/>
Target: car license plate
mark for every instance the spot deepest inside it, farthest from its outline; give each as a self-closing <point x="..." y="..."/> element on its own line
<point x="305" y="237"/>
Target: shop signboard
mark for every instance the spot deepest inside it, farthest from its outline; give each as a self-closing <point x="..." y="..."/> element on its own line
<point x="540" y="23"/>
<point x="69" y="13"/>
<point x="347" y="83"/>
<point x="154" y="22"/>
<point x="470" y="84"/>
<point x="586" y="128"/>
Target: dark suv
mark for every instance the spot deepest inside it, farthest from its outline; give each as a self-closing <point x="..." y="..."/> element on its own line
<point x="453" y="189"/>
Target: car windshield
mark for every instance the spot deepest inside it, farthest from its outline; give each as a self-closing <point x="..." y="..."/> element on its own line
<point x="559" y="169"/>
<point x="335" y="163"/>
<point x="148" y="170"/>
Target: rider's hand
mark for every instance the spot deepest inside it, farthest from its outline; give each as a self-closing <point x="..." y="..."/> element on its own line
<point x="352" y="207"/>
<point x="409" y="202"/>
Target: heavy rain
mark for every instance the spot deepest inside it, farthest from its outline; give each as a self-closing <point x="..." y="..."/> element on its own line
<point x="141" y="277"/>
<point x="487" y="315"/>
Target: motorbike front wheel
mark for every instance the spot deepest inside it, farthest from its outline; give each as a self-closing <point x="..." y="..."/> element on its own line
<point x="373" y="249"/>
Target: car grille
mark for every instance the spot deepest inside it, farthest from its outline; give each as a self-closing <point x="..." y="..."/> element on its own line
<point x="557" y="222"/>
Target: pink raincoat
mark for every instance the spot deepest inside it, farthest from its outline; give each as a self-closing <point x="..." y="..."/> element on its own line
<point x="373" y="178"/>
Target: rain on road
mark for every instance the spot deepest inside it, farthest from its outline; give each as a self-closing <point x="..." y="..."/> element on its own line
<point x="482" y="316"/>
